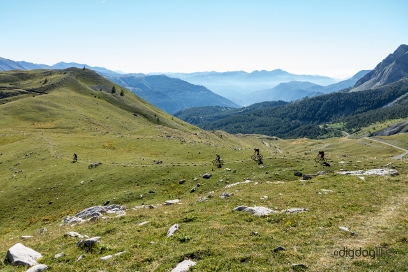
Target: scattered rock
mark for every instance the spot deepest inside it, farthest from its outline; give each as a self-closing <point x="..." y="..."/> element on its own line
<point x="193" y="190"/>
<point x="182" y="181"/>
<point x="237" y="183"/>
<point x="307" y="177"/>
<point x="299" y="266"/>
<point x="372" y="172"/>
<point x="298" y="174"/>
<point x="227" y="169"/>
<point x="151" y="192"/>
<point x="38" y="268"/>
<point x="106" y="257"/>
<point x="143" y="223"/>
<point x="89" y="243"/>
<point x="93" y="212"/>
<point x="25" y="237"/>
<point x="94" y="165"/>
<point x="207" y="175"/>
<point x="171" y="202"/>
<point x="347" y="230"/>
<point x="106" y="202"/>
<point x="80" y="258"/>
<point x="258" y="211"/>
<point x="325" y="191"/>
<point x="22" y="255"/>
<point x="172" y="230"/>
<point x="225" y="194"/>
<point x="294" y="210"/>
<point x="184" y="266"/>
<point x="59" y="255"/>
<point x="42" y="230"/>
<point x="255" y="233"/>
<point x="279" y="248"/>
<point x="74" y="234"/>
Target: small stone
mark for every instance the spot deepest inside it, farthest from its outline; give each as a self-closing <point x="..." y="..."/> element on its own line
<point x="143" y="223"/>
<point x="279" y="248"/>
<point x="182" y="181"/>
<point x="184" y="266"/>
<point x="59" y="255"/>
<point x="38" y="268"/>
<point x="106" y="257"/>
<point x="299" y="265"/>
<point x="207" y="175"/>
<point x="80" y="258"/>
<point x="307" y="177"/>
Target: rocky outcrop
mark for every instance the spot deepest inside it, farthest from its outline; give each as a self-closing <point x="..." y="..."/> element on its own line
<point x="94" y="213"/>
<point x="22" y="255"/>
<point x="391" y="69"/>
<point x="184" y="266"/>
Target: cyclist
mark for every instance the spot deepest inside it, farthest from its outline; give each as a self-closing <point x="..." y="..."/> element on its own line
<point x="217" y="157"/>
<point x="321" y="155"/>
<point x="256" y="151"/>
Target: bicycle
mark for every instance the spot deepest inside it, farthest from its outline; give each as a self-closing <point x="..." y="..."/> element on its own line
<point x="320" y="159"/>
<point x="257" y="158"/>
<point x="218" y="163"/>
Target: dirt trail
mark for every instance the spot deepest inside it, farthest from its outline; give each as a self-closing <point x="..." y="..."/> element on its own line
<point x="397" y="147"/>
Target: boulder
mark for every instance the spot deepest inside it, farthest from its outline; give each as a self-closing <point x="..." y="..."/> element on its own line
<point x="184" y="266"/>
<point x="258" y="210"/>
<point x="172" y="230"/>
<point x="22" y="255"/>
<point x="59" y="255"/>
<point x="89" y="243"/>
<point x="38" y="268"/>
<point x="207" y="175"/>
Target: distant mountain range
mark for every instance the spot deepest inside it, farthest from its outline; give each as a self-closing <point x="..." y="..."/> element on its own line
<point x="237" y="85"/>
<point x="6" y="65"/>
<point x="307" y="117"/>
<point x="294" y="90"/>
<point x="170" y="94"/>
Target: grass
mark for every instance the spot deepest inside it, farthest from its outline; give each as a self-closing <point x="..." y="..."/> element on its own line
<point x="40" y="186"/>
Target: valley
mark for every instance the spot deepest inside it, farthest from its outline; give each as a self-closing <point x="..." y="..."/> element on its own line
<point x="142" y="157"/>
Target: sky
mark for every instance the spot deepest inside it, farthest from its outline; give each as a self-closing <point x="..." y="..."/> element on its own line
<point x="335" y="38"/>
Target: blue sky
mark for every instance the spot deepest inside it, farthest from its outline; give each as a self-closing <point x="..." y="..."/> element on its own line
<point x="335" y="38"/>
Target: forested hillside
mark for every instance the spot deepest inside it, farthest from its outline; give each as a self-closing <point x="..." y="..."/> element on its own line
<point x="307" y="117"/>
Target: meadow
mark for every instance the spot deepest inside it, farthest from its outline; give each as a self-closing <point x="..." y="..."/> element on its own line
<point x="143" y="159"/>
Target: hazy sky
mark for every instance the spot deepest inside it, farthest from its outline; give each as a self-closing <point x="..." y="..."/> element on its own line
<point x="336" y="38"/>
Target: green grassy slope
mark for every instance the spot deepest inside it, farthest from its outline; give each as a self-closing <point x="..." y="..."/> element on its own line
<point x="40" y="186"/>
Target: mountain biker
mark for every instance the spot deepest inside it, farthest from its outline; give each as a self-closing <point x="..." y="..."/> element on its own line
<point x="75" y="158"/>
<point x="217" y="157"/>
<point x="256" y="151"/>
<point x="321" y="154"/>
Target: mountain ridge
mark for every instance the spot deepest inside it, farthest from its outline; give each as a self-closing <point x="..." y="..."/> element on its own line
<point x="391" y="69"/>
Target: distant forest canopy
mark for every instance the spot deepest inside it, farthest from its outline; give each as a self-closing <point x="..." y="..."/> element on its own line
<point x="306" y="117"/>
